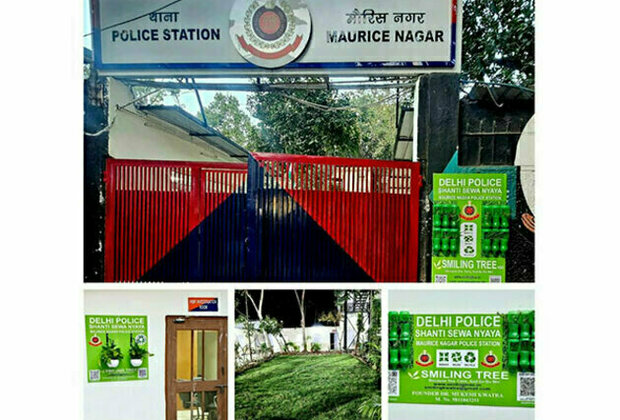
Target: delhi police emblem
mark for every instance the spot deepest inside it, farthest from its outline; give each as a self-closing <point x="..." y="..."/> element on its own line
<point x="270" y="33"/>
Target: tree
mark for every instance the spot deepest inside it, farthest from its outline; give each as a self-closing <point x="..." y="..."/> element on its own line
<point x="249" y="329"/>
<point x="152" y="96"/>
<point x="224" y="114"/>
<point x="362" y="125"/>
<point x="302" y="310"/>
<point x="373" y="354"/>
<point x="289" y="125"/>
<point x="273" y="327"/>
<point x="331" y="318"/>
<point x="498" y="41"/>
<point x="248" y="326"/>
<point x="376" y="123"/>
<point x="259" y="312"/>
<point x="360" y="331"/>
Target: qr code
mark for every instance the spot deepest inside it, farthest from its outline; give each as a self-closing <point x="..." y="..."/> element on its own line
<point x="441" y="278"/>
<point x="525" y="386"/>
<point x="393" y="383"/>
<point x="495" y="279"/>
<point x="94" y="375"/>
<point x="142" y="373"/>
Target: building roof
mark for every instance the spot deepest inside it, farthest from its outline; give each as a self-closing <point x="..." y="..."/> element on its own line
<point x="177" y="116"/>
<point x="499" y="94"/>
<point x="505" y="97"/>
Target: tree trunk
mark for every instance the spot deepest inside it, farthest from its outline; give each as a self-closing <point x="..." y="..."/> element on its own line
<point x="247" y="319"/>
<point x="284" y="346"/>
<point x="301" y="302"/>
<point x="259" y="312"/>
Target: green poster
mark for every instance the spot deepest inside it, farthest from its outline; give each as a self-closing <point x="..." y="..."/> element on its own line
<point x="470" y="228"/>
<point x="117" y="348"/>
<point x="463" y="359"/>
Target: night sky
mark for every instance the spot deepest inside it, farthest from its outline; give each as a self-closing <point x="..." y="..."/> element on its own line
<point x="282" y="305"/>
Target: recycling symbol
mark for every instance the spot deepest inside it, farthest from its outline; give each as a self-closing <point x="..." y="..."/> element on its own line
<point x="469" y="249"/>
<point x="470" y="357"/>
<point x="456" y="357"/>
<point x="140" y="339"/>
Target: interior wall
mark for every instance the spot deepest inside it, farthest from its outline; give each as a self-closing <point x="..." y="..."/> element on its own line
<point x="139" y="399"/>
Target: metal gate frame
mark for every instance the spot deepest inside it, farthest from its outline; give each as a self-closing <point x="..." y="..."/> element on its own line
<point x="382" y="187"/>
<point x="183" y="211"/>
<point x="328" y="191"/>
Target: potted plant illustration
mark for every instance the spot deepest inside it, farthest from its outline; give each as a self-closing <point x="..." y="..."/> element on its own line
<point x="137" y="354"/>
<point x="111" y="355"/>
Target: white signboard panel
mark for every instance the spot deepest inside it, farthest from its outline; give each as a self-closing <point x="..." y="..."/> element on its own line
<point x="271" y="37"/>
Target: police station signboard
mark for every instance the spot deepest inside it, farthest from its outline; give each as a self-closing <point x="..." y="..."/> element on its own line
<point x="465" y="359"/>
<point x="275" y="37"/>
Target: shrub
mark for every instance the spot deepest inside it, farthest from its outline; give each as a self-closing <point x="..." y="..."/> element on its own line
<point x="370" y="409"/>
<point x="291" y="347"/>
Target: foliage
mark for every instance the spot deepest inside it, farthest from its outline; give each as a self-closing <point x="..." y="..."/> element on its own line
<point x="270" y="325"/>
<point x="332" y="318"/>
<point x="498" y="41"/>
<point x="264" y="348"/>
<point x="288" y="126"/>
<point x="137" y="352"/>
<point x="371" y="408"/>
<point x="315" y="387"/>
<point x="249" y="329"/>
<point x="372" y="349"/>
<point x="360" y="329"/>
<point x="156" y="98"/>
<point x="110" y="351"/>
<point x="315" y="347"/>
<point x="291" y="347"/>
<point x="225" y="115"/>
<point x="376" y="124"/>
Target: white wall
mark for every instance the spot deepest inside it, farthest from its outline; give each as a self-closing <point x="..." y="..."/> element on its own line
<point x="459" y="301"/>
<point x="139" y="400"/>
<point x="315" y="334"/>
<point x="136" y="136"/>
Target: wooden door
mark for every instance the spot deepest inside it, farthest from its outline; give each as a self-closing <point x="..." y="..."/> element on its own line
<point x="196" y="373"/>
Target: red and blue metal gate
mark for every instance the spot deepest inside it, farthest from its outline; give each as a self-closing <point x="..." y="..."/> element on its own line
<point x="175" y="221"/>
<point x="332" y="219"/>
<point x="279" y="218"/>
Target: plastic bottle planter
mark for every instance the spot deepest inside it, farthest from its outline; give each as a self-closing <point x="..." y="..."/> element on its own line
<point x="520" y="341"/>
<point x="445" y="229"/>
<point x="495" y="223"/>
<point x="446" y="233"/>
<point x="400" y="335"/>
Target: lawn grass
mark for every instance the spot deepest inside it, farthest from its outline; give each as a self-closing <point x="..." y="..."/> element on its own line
<point x="305" y="387"/>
